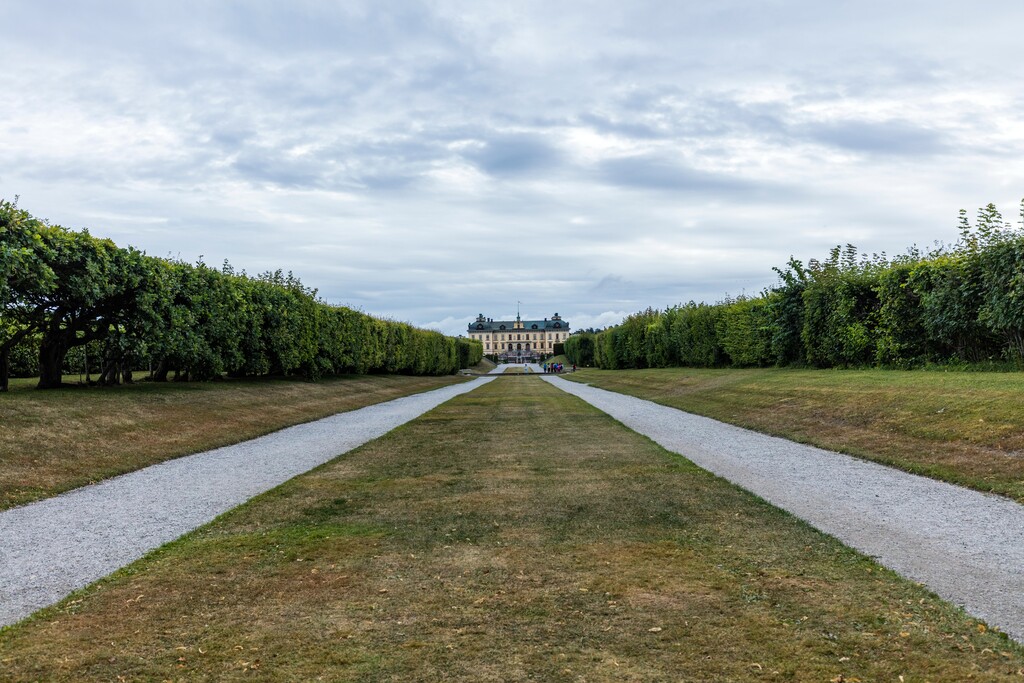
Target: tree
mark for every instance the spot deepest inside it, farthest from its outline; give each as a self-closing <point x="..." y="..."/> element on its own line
<point x="25" y="279"/>
<point x="97" y="291"/>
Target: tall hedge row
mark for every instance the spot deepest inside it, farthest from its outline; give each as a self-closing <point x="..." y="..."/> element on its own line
<point x="70" y="300"/>
<point x="958" y="304"/>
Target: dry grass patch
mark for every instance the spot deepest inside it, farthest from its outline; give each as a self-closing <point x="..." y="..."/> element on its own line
<point x="966" y="428"/>
<point x="483" y="367"/>
<point x="514" y="533"/>
<point x="53" y="441"/>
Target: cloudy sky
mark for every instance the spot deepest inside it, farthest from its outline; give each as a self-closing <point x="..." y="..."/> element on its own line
<point x="428" y="161"/>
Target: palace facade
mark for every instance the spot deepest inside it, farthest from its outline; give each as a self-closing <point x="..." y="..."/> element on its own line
<point x="519" y="341"/>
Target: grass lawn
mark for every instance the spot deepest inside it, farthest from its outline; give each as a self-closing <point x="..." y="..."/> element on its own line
<point x="514" y="533"/>
<point x="53" y="441"/>
<point x="962" y="427"/>
<point x="484" y="366"/>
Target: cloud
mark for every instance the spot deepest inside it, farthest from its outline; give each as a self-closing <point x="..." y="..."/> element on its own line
<point x="430" y="161"/>
<point x="260" y="166"/>
<point x="892" y="137"/>
<point x="585" y="321"/>
<point x="656" y="172"/>
<point x="513" y="154"/>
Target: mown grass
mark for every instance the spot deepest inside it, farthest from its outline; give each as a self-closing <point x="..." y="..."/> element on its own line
<point x="514" y="533"/>
<point x="483" y="367"/>
<point x="53" y="441"/>
<point x="966" y="428"/>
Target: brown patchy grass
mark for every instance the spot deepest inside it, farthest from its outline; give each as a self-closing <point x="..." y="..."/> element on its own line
<point x="53" y="441"/>
<point x="966" y="428"/>
<point x="514" y="533"/>
<point x="483" y="367"/>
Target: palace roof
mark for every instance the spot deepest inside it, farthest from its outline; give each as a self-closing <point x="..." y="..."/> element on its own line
<point x="482" y="324"/>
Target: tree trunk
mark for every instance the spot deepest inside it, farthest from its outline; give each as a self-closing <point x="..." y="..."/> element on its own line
<point x="51" y="360"/>
<point x="163" y="368"/>
<point x="108" y="375"/>
<point x="5" y="369"/>
<point x="5" y="358"/>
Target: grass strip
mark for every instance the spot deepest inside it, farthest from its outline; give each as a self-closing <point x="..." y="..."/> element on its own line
<point x="54" y="441"/>
<point x="514" y="533"/>
<point x="965" y="428"/>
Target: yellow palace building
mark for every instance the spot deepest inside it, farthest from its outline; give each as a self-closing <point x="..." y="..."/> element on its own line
<point x="519" y="341"/>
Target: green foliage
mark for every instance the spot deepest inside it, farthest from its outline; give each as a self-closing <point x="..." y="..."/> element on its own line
<point x="24" y="357"/>
<point x="580" y="348"/>
<point x="64" y="290"/>
<point x="901" y="338"/>
<point x="26" y="278"/>
<point x="962" y="304"/>
<point x="471" y="351"/>
<point x="744" y="329"/>
<point x="1002" y="307"/>
<point x="840" y="309"/>
<point x="693" y="335"/>
<point x="1001" y="264"/>
<point x="786" y="313"/>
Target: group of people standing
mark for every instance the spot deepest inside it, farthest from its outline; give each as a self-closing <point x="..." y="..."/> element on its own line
<point x="556" y="367"/>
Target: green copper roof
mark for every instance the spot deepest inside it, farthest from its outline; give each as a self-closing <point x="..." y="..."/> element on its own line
<point x="552" y="324"/>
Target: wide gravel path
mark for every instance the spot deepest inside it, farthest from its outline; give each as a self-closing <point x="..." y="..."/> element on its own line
<point x="966" y="546"/>
<point x="50" y="548"/>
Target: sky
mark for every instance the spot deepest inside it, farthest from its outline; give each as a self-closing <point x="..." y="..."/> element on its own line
<point x="429" y="161"/>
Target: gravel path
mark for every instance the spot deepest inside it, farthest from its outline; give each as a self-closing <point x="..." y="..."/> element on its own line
<point x="57" y="545"/>
<point x="966" y="546"/>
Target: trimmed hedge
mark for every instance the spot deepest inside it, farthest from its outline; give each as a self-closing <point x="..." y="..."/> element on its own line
<point x="66" y="295"/>
<point x="959" y="304"/>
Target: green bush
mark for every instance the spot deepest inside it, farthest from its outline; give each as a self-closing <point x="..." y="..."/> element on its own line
<point x="579" y="349"/>
<point x="744" y="329"/>
<point x="958" y="305"/>
<point x="64" y="292"/>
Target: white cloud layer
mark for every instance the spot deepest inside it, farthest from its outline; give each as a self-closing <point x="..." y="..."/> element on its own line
<point x="430" y="161"/>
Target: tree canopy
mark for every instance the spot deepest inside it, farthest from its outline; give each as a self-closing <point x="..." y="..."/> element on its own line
<point x="63" y="289"/>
